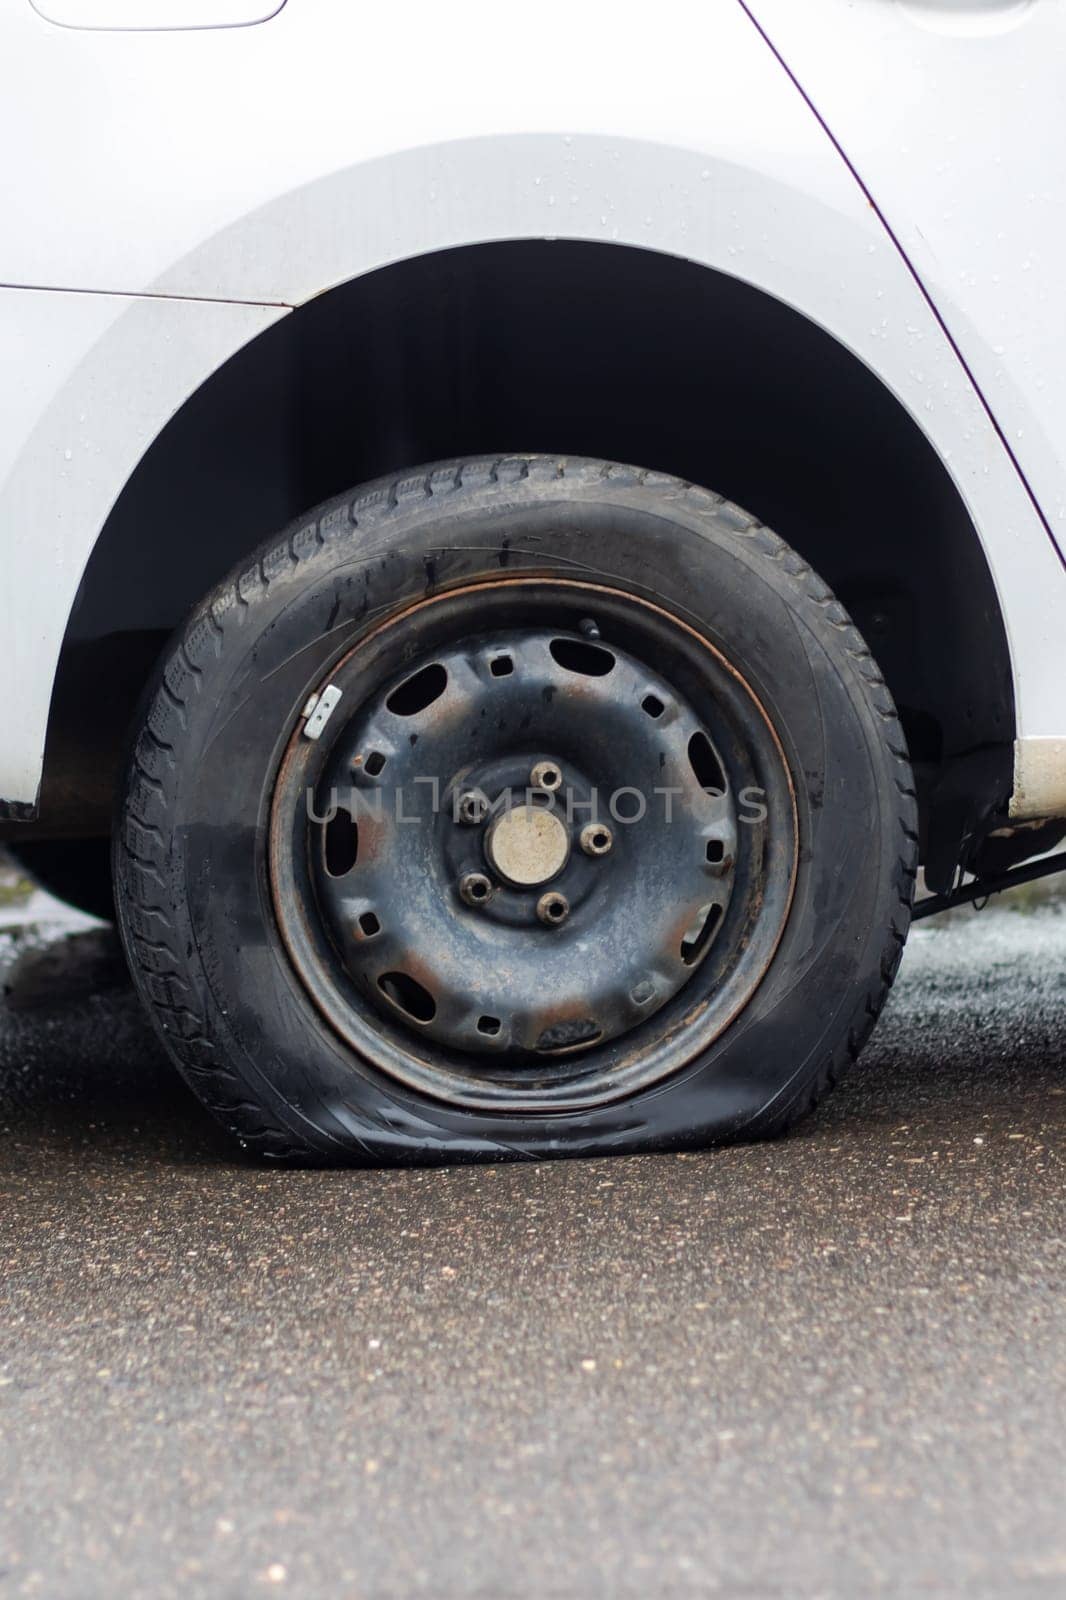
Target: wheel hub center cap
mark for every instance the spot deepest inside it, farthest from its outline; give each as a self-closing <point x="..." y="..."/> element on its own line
<point x="527" y="845"/>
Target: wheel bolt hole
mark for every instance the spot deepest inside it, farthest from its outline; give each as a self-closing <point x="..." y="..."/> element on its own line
<point x="596" y="839"/>
<point x="546" y="775"/>
<point x="374" y="763"/>
<point x="489" y="1025"/>
<point x="715" y="851"/>
<point x="473" y="806"/>
<point x="475" y="888"/>
<point x="652" y="705"/>
<point x="553" y="909"/>
<point x="369" y="924"/>
<point x="501" y="666"/>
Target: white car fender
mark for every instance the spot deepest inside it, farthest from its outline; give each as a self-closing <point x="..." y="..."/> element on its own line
<point x="743" y="179"/>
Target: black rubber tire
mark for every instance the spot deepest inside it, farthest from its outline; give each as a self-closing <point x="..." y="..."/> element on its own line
<point x="192" y="894"/>
<point x="76" y="871"/>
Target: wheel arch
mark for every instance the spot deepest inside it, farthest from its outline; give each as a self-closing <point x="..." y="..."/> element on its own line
<point x="736" y="217"/>
<point x="668" y="364"/>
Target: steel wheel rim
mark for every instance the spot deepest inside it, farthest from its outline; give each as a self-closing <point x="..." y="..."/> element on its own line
<point x="510" y="1067"/>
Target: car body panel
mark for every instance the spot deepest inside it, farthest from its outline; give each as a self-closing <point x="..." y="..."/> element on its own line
<point x="98" y="377"/>
<point x="272" y="163"/>
<point x="951" y="114"/>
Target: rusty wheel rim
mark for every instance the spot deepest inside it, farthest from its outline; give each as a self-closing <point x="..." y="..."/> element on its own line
<point x="518" y="866"/>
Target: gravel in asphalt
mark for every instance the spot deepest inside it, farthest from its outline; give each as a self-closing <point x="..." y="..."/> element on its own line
<point x="829" y="1366"/>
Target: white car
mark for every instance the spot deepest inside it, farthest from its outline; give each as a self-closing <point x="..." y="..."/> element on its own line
<point x="381" y="389"/>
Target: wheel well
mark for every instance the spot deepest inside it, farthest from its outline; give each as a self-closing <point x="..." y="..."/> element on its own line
<point x="590" y="349"/>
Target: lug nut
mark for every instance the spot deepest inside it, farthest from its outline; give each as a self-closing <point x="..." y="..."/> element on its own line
<point x="553" y="909"/>
<point x="596" y="838"/>
<point x="546" y="775"/>
<point x="476" y="889"/>
<point x="472" y="806"/>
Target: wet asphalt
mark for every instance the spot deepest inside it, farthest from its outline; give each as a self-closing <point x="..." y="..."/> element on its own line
<point x="830" y="1366"/>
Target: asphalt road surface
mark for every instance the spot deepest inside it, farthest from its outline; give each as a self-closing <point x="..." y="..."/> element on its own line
<point x="831" y="1366"/>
